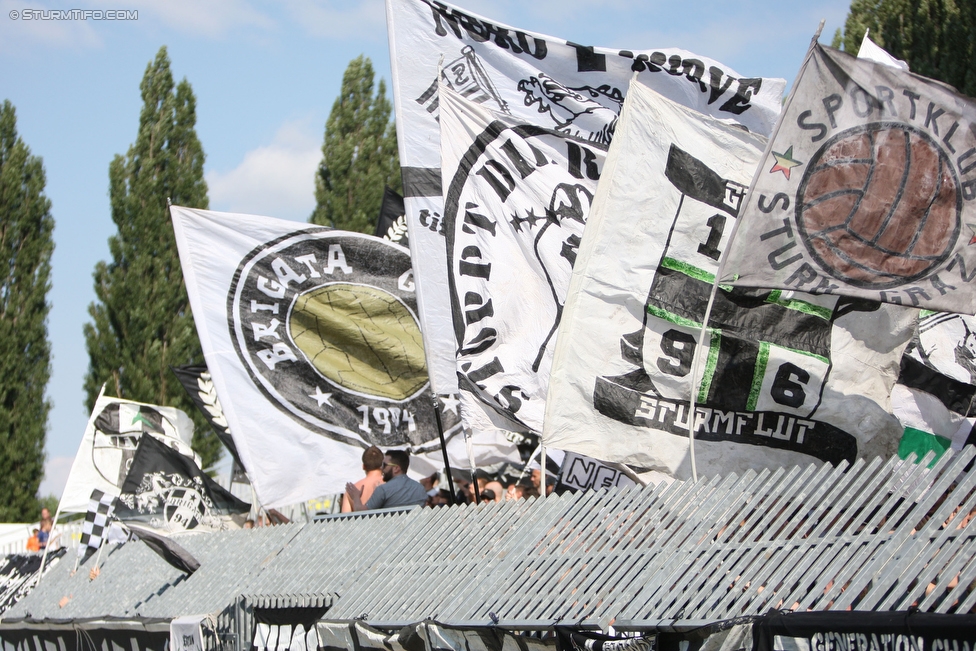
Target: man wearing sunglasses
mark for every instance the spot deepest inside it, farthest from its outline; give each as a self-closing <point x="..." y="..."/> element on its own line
<point x="397" y="489"/>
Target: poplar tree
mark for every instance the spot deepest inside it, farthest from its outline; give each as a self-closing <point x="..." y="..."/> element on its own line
<point x="141" y="321"/>
<point x="359" y="154"/>
<point x="26" y="245"/>
<point x="937" y="38"/>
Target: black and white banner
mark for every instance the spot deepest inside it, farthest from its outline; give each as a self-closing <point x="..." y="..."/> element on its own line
<point x="426" y="636"/>
<point x="198" y="384"/>
<point x="131" y="638"/>
<point x="864" y="631"/>
<point x="868" y="189"/>
<point x="169" y="493"/>
<point x="109" y="443"/>
<point x="313" y="342"/>
<point x="575" y="89"/>
<point x="286" y="629"/>
<point x="516" y="201"/>
<point x="580" y="473"/>
<point x="785" y="377"/>
<point x="569" y="639"/>
<point x="19" y="574"/>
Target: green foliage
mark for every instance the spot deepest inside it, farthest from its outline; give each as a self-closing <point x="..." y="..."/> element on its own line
<point x="26" y="245"/>
<point x="359" y="154"/>
<point x="936" y="37"/>
<point x="141" y="321"/>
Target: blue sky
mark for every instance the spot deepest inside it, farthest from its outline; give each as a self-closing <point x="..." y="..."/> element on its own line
<point x="265" y="77"/>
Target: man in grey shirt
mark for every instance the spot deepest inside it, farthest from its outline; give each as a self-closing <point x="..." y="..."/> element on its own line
<point x="397" y="489"/>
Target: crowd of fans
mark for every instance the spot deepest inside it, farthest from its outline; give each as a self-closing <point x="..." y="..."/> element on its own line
<point x="386" y="485"/>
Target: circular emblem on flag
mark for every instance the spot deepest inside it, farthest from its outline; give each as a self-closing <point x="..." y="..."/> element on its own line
<point x="879" y="205"/>
<point x="325" y="323"/>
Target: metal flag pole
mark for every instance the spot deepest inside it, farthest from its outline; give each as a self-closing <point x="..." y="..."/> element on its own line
<point x="471" y="464"/>
<point x="542" y="463"/>
<point x="57" y="512"/>
<point x="440" y="433"/>
<point x="438" y="75"/>
<point x="697" y="357"/>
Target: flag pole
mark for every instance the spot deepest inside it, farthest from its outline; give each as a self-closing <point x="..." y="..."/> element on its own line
<point x="57" y="512"/>
<point x="696" y="358"/>
<point x="474" y="468"/>
<point x="542" y="463"/>
<point x="447" y="462"/>
<point x="437" y="408"/>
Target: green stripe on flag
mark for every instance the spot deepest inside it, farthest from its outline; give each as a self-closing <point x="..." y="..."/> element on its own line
<point x="711" y="363"/>
<point x="776" y="296"/>
<point x="691" y="271"/>
<point x="762" y="360"/>
<point x="921" y="443"/>
<point x="672" y="318"/>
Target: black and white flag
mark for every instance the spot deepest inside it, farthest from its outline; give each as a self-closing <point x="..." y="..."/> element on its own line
<point x="109" y="443"/>
<point x="516" y="200"/>
<point x="313" y="342"/>
<point x="167" y="492"/>
<point x="94" y="530"/>
<point x="198" y="384"/>
<point x="392" y="221"/>
<point x="19" y="573"/>
<point x="574" y="89"/>
<point x="868" y="189"/>
<point x="581" y="473"/>
<point x="785" y="377"/>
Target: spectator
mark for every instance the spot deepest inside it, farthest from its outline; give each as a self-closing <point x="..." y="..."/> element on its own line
<point x="372" y="466"/>
<point x="397" y="489"/>
<point x="45" y="533"/>
<point x="496" y="489"/>
<point x="33" y="543"/>
<point x="514" y="492"/>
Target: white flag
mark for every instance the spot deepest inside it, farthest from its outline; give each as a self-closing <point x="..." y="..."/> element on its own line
<point x="874" y="52"/>
<point x="868" y="189"/>
<point x="109" y="445"/>
<point x="312" y="340"/>
<point x="787" y="377"/>
<point x="517" y="198"/>
<point x="935" y="398"/>
<point x="575" y="89"/>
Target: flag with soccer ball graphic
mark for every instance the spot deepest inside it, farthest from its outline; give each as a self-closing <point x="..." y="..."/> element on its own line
<point x="312" y="339"/>
<point x="867" y="189"/>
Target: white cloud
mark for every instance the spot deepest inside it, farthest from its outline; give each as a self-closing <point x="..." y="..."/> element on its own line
<point x="277" y="179"/>
<point x="341" y="19"/>
<point x="56" y="471"/>
<point x="213" y="19"/>
<point x="33" y="26"/>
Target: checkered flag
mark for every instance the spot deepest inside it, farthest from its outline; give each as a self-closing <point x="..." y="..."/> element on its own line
<point x="95" y="528"/>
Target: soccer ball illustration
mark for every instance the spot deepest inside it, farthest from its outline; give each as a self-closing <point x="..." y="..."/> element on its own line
<point x="879" y="205"/>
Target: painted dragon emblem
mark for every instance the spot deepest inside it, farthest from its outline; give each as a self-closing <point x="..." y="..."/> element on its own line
<point x="583" y="112"/>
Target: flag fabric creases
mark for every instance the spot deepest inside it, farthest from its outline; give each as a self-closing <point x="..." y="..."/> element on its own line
<point x="867" y="189"/>
<point x="312" y="340"/>
<point x="550" y="82"/>
<point x="786" y="377"/>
